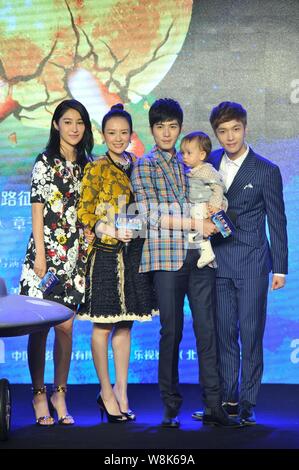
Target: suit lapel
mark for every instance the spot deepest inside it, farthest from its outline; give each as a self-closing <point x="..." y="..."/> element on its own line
<point x="216" y="160"/>
<point x="244" y="175"/>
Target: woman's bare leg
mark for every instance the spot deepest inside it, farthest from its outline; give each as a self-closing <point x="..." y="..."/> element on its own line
<point x="36" y="351"/>
<point x="99" y="346"/>
<point x="121" y="345"/>
<point x="62" y="358"/>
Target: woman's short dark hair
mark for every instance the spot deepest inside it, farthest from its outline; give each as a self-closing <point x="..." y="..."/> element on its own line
<point x="117" y="110"/>
<point x="85" y="146"/>
<point x="165" y="109"/>
<point x="227" y="111"/>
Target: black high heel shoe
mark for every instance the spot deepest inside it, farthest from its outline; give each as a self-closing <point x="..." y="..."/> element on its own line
<point x="130" y="415"/>
<point x="66" y="420"/>
<point x="110" y="418"/>
<point x="46" y="420"/>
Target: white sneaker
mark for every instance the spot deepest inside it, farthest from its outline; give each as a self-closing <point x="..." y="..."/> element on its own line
<point x="207" y="254"/>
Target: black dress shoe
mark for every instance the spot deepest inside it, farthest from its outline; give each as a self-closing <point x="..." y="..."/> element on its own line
<point x="170" y="423"/>
<point x="247" y="414"/>
<point x="232" y="411"/>
<point x="197" y="415"/>
<point x="219" y="417"/>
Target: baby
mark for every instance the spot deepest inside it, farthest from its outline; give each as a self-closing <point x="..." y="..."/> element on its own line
<point x="206" y="187"/>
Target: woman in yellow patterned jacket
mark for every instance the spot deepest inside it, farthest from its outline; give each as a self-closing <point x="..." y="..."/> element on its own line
<point x="116" y="293"/>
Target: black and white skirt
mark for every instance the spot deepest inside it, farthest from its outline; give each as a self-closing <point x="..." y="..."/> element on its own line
<point x="115" y="290"/>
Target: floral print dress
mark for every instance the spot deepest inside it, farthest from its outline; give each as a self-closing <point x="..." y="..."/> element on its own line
<point x="56" y="183"/>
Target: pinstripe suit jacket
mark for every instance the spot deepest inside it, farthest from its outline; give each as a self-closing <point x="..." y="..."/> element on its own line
<point x="254" y="196"/>
<point x="158" y="192"/>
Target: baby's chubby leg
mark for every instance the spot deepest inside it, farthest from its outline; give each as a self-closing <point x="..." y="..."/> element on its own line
<point x="198" y="211"/>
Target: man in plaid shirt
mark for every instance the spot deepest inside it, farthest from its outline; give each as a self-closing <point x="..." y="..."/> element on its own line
<point x="160" y="188"/>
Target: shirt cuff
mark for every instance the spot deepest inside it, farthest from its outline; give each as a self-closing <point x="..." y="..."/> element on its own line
<point x="279" y="275"/>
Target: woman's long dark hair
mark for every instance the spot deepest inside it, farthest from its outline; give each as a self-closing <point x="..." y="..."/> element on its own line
<point x="85" y="146"/>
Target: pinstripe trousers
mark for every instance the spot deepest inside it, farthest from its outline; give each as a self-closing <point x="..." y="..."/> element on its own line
<point x="240" y="321"/>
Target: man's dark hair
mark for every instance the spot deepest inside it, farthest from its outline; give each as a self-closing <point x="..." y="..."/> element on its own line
<point x="227" y="111"/>
<point x="165" y="109"/>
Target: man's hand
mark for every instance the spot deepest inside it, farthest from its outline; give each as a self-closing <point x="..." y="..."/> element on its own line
<point x="205" y="227"/>
<point x="209" y="228"/>
<point x="212" y="210"/>
<point x="278" y="282"/>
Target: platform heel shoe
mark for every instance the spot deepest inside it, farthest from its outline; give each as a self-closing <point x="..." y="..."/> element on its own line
<point x="46" y="420"/>
<point x="110" y="418"/>
<point x="65" y="420"/>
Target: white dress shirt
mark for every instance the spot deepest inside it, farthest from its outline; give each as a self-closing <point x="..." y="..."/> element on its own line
<point x="229" y="168"/>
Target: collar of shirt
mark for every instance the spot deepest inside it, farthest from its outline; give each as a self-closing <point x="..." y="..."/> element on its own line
<point x="238" y="162"/>
<point x="167" y="156"/>
<point x="229" y="168"/>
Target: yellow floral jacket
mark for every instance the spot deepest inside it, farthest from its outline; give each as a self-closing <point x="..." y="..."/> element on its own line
<point x="106" y="189"/>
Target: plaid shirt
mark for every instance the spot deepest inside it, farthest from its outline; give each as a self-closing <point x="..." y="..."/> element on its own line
<point x="160" y="187"/>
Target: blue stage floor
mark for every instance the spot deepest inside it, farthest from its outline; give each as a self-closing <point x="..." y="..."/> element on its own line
<point x="277" y="416"/>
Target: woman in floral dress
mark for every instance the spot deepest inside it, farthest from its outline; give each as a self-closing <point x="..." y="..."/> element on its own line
<point x="57" y="244"/>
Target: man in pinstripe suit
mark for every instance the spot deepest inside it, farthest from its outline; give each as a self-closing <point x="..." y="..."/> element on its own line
<point x="254" y="193"/>
<point x="160" y="187"/>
